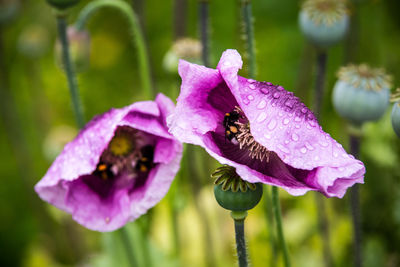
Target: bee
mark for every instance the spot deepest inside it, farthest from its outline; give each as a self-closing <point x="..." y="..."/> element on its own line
<point x="230" y="125"/>
<point x="103" y="170"/>
<point x="145" y="163"/>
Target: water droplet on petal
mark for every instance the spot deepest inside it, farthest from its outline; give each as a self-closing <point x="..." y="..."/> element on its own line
<point x="280" y="114"/>
<point x="287" y="142"/>
<point x="335" y="154"/>
<point x="268" y="83"/>
<point x="262" y="104"/>
<point x="246" y="101"/>
<point x="304" y="110"/>
<point x="265" y="91"/>
<point x="273" y="104"/>
<point x="283" y="149"/>
<point x="261" y="117"/>
<point x="297" y="119"/>
<point x="276" y="95"/>
<point x="286" y="121"/>
<point x="344" y="155"/>
<point x="268" y="136"/>
<point x="295" y="137"/>
<point x="272" y="124"/>
<point x="279" y="88"/>
<point x="309" y="146"/>
<point x="316" y="158"/>
<point x="250" y="97"/>
<point x="289" y="103"/>
<point x="341" y="169"/>
<point x="323" y="143"/>
<point x="252" y="86"/>
<point x="227" y="63"/>
<point x="251" y="81"/>
<point x="298" y="126"/>
<point x="303" y="150"/>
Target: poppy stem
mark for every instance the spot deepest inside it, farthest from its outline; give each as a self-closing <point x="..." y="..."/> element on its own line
<point x="137" y="35"/>
<point x="355" y="206"/>
<point x="249" y="33"/>
<point x="270" y="224"/>
<point x="279" y="228"/>
<point x="241" y="250"/>
<point x="128" y="247"/>
<point x="69" y="69"/>
<point x="204" y="30"/>
<point x="323" y="221"/>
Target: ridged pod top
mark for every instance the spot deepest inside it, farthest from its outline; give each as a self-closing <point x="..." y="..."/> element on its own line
<point x="365" y="77"/>
<point x="325" y="11"/>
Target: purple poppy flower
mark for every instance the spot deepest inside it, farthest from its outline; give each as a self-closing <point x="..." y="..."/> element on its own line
<point x="261" y="129"/>
<point x="119" y="166"/>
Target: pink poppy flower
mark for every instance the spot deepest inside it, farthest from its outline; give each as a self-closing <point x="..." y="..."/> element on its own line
<point x="261" y="129"/>
<point x="118" y="167"/>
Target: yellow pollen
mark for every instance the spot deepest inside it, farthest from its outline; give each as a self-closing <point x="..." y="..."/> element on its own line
<point x="143" y="168"/>
<point x="144" y="159"/>
<point x="121" y="145"/>
<point x="233" y="129"/>
<point x="102" y="167"/>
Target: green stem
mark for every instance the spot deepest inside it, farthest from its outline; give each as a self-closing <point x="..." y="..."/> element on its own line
<point x="137" y="35"/>
<point x="69" y="70"/>
<point x="279" y="228"/>
<point x="249" y="33"/>
<point x="270" y="224"/>
<point x="128" y="247"/>
<point x="241" y="250"/>
<point x="204" y="25"/>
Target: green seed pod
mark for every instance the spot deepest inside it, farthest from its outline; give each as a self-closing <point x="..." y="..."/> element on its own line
<point x="324" y="22"/>
<point x="185" y="48"/>
<point x="396" y="118"/>
<point x="62" y="4"/>
<point x="232" y="193"/>
<point x="361" y="94"/>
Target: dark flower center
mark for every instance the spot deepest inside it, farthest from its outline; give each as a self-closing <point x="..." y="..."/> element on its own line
<point x="125" y="153"/>
<point x="237" y="131"/>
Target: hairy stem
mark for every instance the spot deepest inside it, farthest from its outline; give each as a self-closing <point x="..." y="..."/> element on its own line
<point x="279" y="226"/>
<point x="204" y="31"/>
<point x="270" y="224"/>
<point x="241" y="249"/>
<point x="355" y="207"/>
<point x="249" y="33"/>
<point x="69" y="70"/>
<point x="320" y="82"/>
<point x="137" y="35"/>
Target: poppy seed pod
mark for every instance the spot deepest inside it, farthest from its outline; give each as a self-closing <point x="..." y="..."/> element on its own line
<point x="233" y="193"/>
<point x="185" y="48"/>
<point x="396" y="118"/>
<point x="62" y="4"/>
<point x="361" y="94"/>
<point x="324" y="22"/>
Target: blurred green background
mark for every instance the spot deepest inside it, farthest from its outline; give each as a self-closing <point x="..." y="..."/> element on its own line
<point x="187" y="228"/>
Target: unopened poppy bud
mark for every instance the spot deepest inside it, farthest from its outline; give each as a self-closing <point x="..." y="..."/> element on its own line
<point x="324" y="22"/>
<point x="33" y="42"/>
<point x="79" y="48"/>
<point x="185" y="48"/>
<point x="362" y="93"/>
<point x="8" y="10"/>
<point x="62" y="4"/>
<point x="233" y="193"/>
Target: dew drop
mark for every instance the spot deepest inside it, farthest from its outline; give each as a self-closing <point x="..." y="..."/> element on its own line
<point x="335" y="154"/>
<point x="304" y="110"/>
<point x="297" y="126"/>
<point x="227" y="63"/>
<point x="287" y="142"/>
<point x="252" y="86"/>
<point x="316" y="158"/>
<point x="268" y="136"/>
<point x="280" y="114"/>
<point x="261" y="117"/>
<point x="286" y="121"/>
<point x="265" y="91"/>
<point x="271" y="124"/>
<point x="246" y="101"/>
<point x="276" y="95"/>
<point x="268" y="83"/>
<point x="251" y="81"/>
<point x="344" y="155"/>
<point x="303" y="150"/>
<point x="273" y="104"/>
<point x="297" y="119"/>
<point x="250" y="97"/>
<point x="289" y="103"/>
<point x="283" y="149"/>
<point x="262" y="104"/>
<point x="323" y="143"/>
<point x="309" y="146"/>
<point x="295" y="137"/>
<point x="279" y="88"/>
<point x="341" y="169"/>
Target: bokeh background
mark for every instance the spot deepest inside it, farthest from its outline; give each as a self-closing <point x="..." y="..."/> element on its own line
<point x="187" y="228"/>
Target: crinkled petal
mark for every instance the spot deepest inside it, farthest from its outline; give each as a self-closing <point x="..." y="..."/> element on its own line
<point x="65" y="183"/>
<point x="278" y="121"/>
